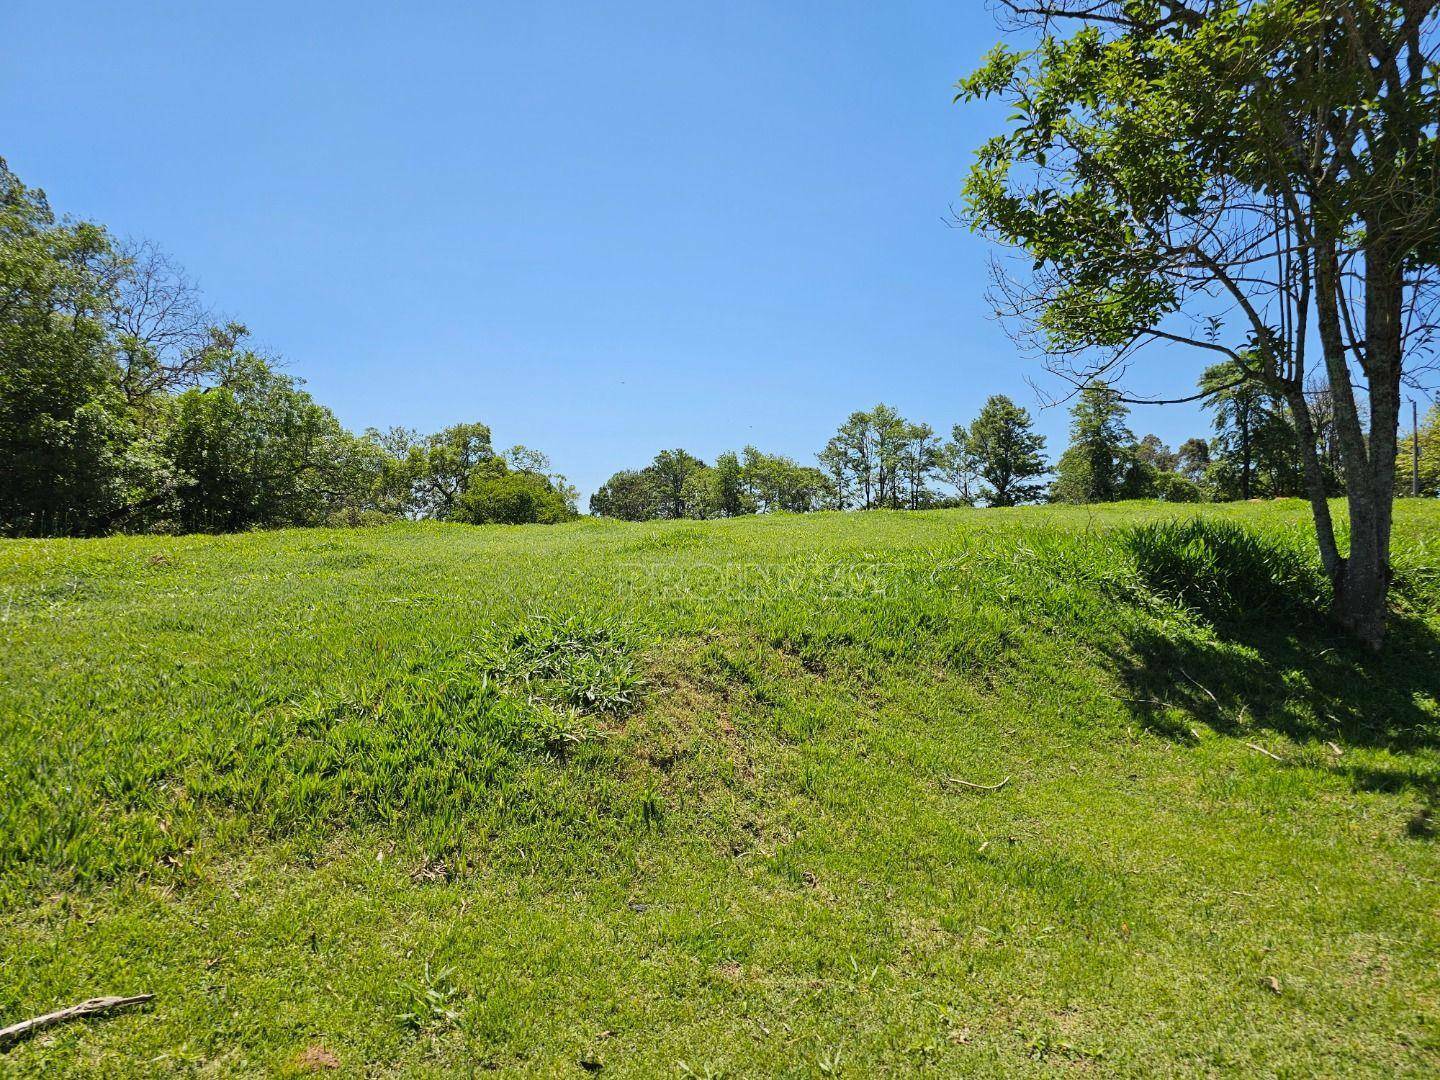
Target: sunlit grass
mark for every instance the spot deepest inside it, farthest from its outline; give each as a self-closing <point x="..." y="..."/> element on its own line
<point x="678" y="798"/>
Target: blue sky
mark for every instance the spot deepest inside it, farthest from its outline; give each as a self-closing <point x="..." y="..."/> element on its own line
<point x="601" y="229"/>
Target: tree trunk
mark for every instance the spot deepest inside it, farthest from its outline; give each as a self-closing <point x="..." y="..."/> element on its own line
<point x="1315" y="481"/>
<point x="1370" y="484"/>
<point x="1362" y="583"/>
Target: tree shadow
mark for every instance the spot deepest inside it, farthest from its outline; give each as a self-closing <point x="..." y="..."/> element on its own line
<point x="1303" y="679"/>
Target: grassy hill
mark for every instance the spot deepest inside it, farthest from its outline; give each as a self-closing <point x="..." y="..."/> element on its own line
<point x="695" y="799"/>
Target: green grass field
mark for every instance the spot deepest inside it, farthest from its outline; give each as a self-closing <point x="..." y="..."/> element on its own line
<point x="679" y="799"/>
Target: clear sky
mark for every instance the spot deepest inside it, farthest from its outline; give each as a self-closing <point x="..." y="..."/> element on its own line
<point x="603" y="229"/>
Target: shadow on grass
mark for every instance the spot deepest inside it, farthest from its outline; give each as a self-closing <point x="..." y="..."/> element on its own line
<point x="1310" y="685"/>
<point x="1278" y="665"/>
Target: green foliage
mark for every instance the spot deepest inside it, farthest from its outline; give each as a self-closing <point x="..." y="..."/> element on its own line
<point x="1251" y="179"/>
<point x="430" y="1003"/>
<point x="1429" y="435"/>
<point x="669" y="474"/>
<point x="878" y="459"/>
<point x="729" y="494"/>
<point x="254" y="450"/>
<point x="747" y="483"/>
<point x="63" y="429"/>
<point x="959" y="465"/>
<point x="498" y="496"/>
<point x="1174" y="488"/>
<point x="772" y="483"/>
<point x="583" y="661"/>
<point x="1008" y="453"/>
<point x="1103" y="462"/>
<point x="629" y="495"/>
<point x="122" y="406"/>
<point x="1255" y="452"/>
<point x="1224" y="571"/>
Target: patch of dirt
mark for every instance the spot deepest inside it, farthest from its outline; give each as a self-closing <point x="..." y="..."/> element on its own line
<point x="316" y="1058"/>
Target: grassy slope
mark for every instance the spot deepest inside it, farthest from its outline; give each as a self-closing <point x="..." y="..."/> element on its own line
<point x="233" y="767"/>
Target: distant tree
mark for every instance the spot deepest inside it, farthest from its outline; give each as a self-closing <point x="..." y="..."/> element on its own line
<point x="629" y="495"/>
<point x="1238" y="410"/>
<point x="1172" y="487"/>
<point x="1429" y="458"/>
<point x="890" y="433"/>
<point x="920" y="460"/>
<point x="255" y="450"/>
<point x="524" y="459"/>
<point x="1254" y="451"/>
<point x="959" y="465"/>
<point x="124" y="404"/>
<point x="850" y="459"/>
<point x="1152" y="451"/>
<point x="166" y="338"/>
<point x="668" y="472"/>
<point x="1008" y="452"/>
<point x="878" y="459"/>
<point x="730" y="497"/>
<point x="448" y="460"/>
<point x="401" y="455"/>
<point x="1158" y="471"/>
<point x="837" y="474"/>
<point x="1101" y="463"/>
<point x="455" y="475"/>
<point x="701" y="494"/>
<point x="1193" y="459"/>
<point x="777" y="483"/>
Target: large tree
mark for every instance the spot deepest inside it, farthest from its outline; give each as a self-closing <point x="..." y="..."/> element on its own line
<point x="669" y="472"/>
<point x="1243" y="177"/>
<point x="256" y="451"/>
<point x="63" y="429"/>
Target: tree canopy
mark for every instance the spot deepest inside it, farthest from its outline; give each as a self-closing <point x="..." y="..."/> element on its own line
<point x="1244" y="178"/>
<point x="125" y="405"/>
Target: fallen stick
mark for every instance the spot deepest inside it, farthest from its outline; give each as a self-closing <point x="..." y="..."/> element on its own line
<point x="1202" y="686"/>
<point x="25" y="1028"/>
<point x="1262" y="750"/>
<point x="977" y="787"/>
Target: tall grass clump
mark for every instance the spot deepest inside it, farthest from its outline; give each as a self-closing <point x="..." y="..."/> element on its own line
<point x="1224" y="572"/>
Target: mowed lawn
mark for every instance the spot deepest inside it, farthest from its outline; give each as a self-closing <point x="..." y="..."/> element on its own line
<point x="692" y="799"/>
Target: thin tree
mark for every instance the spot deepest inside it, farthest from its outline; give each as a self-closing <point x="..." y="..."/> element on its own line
<point x="1241" y="178"/>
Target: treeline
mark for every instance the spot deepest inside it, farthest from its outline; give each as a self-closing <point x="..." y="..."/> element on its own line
<point x="126" y="405"/>
<point x="878" y="459"/>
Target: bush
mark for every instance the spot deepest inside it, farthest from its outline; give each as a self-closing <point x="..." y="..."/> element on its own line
<point x="513" y="498"/>
<point x="1174" y="488"/>
<point x="1224" y="572"/>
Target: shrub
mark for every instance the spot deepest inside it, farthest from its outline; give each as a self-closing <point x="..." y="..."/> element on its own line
<point x="513" y="498"/>
<point x="1174" y="488"/>
<point x="1224" y="572"/>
